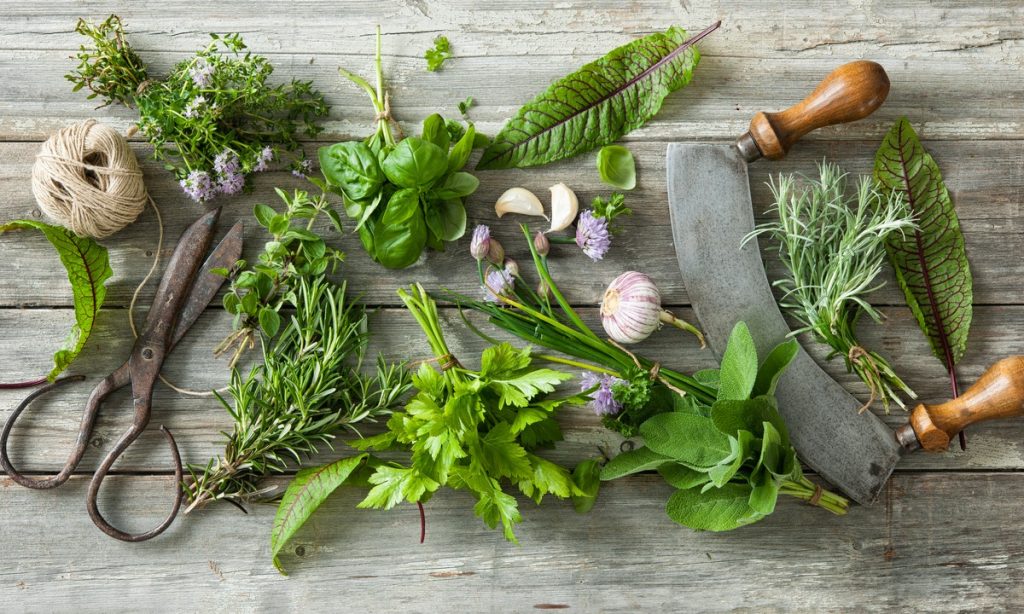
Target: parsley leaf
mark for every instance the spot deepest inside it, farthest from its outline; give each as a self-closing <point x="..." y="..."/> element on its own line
<point x="436" y="55"/>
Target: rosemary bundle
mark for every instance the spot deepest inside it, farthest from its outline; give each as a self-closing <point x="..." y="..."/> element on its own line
<point x="309" y="386"/>
<point x="833" y="246"/>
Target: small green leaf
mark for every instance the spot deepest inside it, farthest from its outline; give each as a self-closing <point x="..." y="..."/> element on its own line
<point x="466" y="105"/>
<point x="264" y="214"/>
<point x="587" y="477"/>
<point x="738" y="370"/>
<point x="446" y="219"/>
<point x="459" y="155"/>
<point x="305" y="493"/>
<point x="764" y="493"/>
<point x="435" y="131"/>
<point x="436" y="55"/>
<point x="415" y="163"/>
<point x="88" y="268"/>
<point x="773" y="367"/>
<point x="718" y="509"/>
<point x="402" y="205"/>
<point x="456" y="185"/>
<point x="270" y="321"/>
<point x="687" y="438"/>
<point x="633" y="461"/>
<point x="616" y="166"/>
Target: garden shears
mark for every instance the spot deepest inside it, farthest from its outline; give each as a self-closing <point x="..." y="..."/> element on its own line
<point x="184" y="292"/>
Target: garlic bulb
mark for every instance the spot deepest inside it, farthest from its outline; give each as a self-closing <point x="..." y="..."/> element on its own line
<point x="519" y="200"/>
<point x="631" y="310"/>
<point x="564" y="207"/>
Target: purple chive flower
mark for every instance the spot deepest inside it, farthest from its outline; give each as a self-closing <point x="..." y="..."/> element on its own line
<point x="198" y="186"/>
<point x="499" y="282"/>
<point x="592" y="235"/>
<point x="193" y="107"/>
<point x="602" y="400"/>
<point x="303" y="168"/>
<point x="480" y="245"/>
<point x="264" y="159"/>
<point x="201" y="73"/>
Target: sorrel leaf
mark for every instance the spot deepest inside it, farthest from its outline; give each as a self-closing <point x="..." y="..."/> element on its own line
<point x="305" y="493"/>
<point x="598" y="103"/>
<point x="931" y="263"/>
<point x="88" y="267"/>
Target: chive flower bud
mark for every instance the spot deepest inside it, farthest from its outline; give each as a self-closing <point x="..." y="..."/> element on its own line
<point x="541" y="243"/>
<point x="480" y="245"/>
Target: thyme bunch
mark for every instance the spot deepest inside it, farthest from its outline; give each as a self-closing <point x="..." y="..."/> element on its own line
<point x="309" y="386"/>
<point x="213" y="119"/>
<point x="832" y="243"/>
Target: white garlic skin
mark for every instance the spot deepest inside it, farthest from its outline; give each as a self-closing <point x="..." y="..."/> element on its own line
<point x="564" y="207"/>
<point x="631" y="308"/>
<point x="519" y="200"/>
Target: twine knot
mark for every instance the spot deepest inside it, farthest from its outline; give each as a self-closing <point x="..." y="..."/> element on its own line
<point x="816" y="497"/>
<point x="87" y="179"/>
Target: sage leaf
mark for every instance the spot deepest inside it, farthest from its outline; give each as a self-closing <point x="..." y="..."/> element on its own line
<point x="739" y="367"/>
<point x="597" y="104"/>
<point x="633" y="461"/>
<point x="587" y="478"/>
<point x="773" y="366"/>
<point x="305" y="493"/>
<point x="763" y="494"/>
<point x="616" y="166"/>
<point x="931" y="262"/>
<point x="88" y="267"/>
<point x="718" y="509"/>
<point x="687" y="438"/>
<point x="721" y="473"/>
<point x="682" y="477"/>
<point x="732" y="416"/>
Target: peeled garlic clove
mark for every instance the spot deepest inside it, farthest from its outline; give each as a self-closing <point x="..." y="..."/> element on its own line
<point x="519" y="200"/>
<point x="564" y="207"/>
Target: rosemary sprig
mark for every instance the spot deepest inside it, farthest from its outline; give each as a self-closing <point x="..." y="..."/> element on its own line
<point x="309" y="386"/>
<point x="833" y="246"/>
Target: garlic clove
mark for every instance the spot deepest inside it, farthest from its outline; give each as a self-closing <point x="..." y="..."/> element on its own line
<point x="564" y="207"/>
<point x="521" y="201"/>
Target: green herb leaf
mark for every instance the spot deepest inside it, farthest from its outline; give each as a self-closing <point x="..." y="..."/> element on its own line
<point x="773" y="367"/>
<point x="724" y="471"/>
<point x="88" y="268"/>
<point x="687" y="438"/>
<point x="682" y="477"/>
<point x="414" y="163"/>
<point x="353" y="168"/>
<point x="931" y="262"/>
<point x="456" y="185"/>
<point x="598" y="103"/>
<point x="305" y="493"/>
<point x="739" y="365"/>
<point x="587" y="478"/>
<point x="435" y="130"/>
<point x="633" y="461"/>
<point x="718" y="509"/>
<point x="446" y="219"/>
<point x="731" y="417"/>
<point x="459" y="155"/>
<point x="396" y="246"/>
<point x="466" y="105"/>
<point x="270" y="321"/>
<point x="616" y="166"/>
<point x="763" y="494"/>
<point x="436" y="55"/>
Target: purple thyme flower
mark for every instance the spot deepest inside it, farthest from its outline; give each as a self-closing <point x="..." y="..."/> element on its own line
<point x="192" y="108"/>
<point x="303" y="168"/>
<point x="201" y="73"/>
<point x="592" y="235"/>
<point x="480" y="245"/>
<point x="265" y="157"/>
<point x="226" y="163"/>
<point x="231" y="184"/>
<point x="499" y="282"/>
<point x="198" y="186"/>
<point x="602" y="400"/>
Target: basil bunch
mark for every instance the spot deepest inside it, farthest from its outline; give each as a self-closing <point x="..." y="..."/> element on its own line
<point x="405" y="196"/>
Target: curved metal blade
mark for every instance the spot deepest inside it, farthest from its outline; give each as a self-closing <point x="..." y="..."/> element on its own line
<point x="709" y="202"/>
<point x="224" y="256"/>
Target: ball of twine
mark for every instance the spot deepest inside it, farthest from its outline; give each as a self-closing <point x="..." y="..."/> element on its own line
<point x="86" y="178"/>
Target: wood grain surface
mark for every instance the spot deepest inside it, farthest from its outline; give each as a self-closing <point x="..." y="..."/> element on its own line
<point x="944" y="537"/>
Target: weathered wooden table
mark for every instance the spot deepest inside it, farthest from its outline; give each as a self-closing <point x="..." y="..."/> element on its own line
<point x="944" y="536"/>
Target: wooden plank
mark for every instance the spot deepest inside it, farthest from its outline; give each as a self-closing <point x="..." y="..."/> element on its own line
<point x="985" y="178"/>
<point x="911" y="552"/>
<point x="42" y="439"/>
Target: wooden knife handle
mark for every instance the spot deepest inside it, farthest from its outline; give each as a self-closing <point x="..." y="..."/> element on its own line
<point x="999" y="393"/>
<point x="851" y="92"/>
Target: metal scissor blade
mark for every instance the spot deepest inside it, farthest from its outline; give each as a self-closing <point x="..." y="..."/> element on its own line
<point x="224" y="256"/>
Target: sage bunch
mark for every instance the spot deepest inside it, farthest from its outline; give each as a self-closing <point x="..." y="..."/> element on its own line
<point x="833" y="244"/>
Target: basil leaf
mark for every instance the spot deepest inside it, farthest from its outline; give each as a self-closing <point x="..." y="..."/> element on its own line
<point x="459" y="155"/>
<point x="687" y="438"/>
<point x="402" y="206"/>
<point x="352" y="167"/>
<point x="396" y="246"/>
<point x="435" y="131"/>
<point x="616" y="166"/>
<point x="598" y="103"/>
<point x="633" y="461"/>
<point x="88" y="267"/>
<point x="456" y="185"/>
<point x="739" y="365"/>
<point x="305" y="493"/>
<point x="446" y="219"/>
<point x="415" y="163"/>
<point x="718" y="509"/>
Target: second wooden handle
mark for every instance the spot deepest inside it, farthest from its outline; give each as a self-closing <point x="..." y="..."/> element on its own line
<point x="851" y="92"/>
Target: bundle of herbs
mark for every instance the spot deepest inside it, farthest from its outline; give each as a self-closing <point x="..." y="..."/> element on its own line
<point x="406" y="194"/>
<point x="309" y="386"/>
<point x="213" y="119"/>
<point x="833" y="244"/>
<point x="475" y="430"/>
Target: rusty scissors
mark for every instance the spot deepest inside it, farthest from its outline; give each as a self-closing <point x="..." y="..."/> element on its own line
<point x="184" y="291"/>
